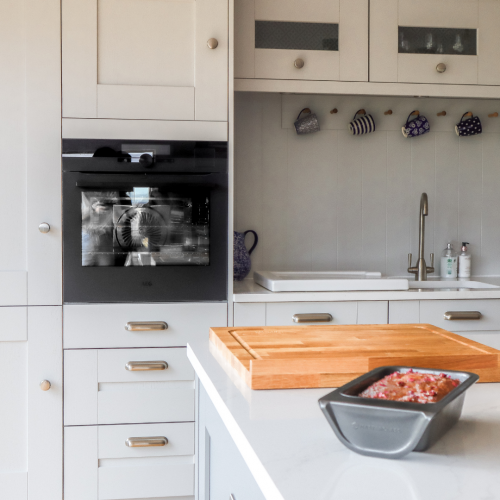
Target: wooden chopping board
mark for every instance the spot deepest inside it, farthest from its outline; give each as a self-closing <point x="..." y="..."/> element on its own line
<point x="330" y="356"/>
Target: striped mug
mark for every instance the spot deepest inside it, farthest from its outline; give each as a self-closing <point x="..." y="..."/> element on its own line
<point x="362" y="125"/>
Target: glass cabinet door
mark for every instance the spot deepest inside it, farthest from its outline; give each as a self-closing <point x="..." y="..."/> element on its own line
<point x="450" y="41"/>
<point x="297" y="40"/>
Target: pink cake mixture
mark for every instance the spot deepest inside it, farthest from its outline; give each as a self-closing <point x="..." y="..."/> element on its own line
<point x="411" y="387"/>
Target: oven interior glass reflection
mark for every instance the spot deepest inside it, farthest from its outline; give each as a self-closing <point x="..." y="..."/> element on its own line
<point x="145" y="227"/>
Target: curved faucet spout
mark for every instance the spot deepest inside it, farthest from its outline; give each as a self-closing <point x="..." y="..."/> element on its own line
<point x="421" y="269"/>
<point x="424" y="204"/>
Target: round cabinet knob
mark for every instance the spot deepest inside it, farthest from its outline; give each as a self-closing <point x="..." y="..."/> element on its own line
<point x="441" y="68"/>
<point x="299" y="63"/>
<point x="45" y="385"/>
<point x="213" y="43"/>
<point x="44" y="227"/>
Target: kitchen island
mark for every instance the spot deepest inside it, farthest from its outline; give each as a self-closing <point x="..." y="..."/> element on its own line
<point x="289" y="452"/>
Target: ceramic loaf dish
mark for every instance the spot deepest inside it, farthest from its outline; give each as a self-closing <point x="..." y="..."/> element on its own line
<point x="392" y="429"/>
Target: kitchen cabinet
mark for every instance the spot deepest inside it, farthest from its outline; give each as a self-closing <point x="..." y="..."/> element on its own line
<point x="128" y="325"/>
<point x="31" y="395"/>
<point x="446" y="42"/>
<point x="100" y="464"/>
<point x="131" y="59"/>
<point x="484" y="329"/>
<point x="295" y="40"/>
<point x="335" y="313"/>
<point x="126" y="374"/>
<point x="223" y="473"/>
<point x="30" y="144"/>
<point x="433" y="312"/>
<point x="127" y="386"/>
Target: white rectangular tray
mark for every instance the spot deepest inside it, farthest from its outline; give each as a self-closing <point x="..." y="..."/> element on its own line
<point x="290" y="281"/>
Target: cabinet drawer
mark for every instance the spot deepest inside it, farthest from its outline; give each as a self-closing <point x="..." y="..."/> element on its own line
<point x="343" y="313"/>
<point x="433" y="312"/>
<point x="99" y="464"/>
<point x="126" y="386"/>
<point x="94" y="326"/>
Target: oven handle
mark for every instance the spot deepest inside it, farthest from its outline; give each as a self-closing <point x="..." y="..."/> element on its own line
<point x="117" y="181"/>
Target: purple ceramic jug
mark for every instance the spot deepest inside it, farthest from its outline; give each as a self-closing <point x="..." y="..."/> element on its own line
<point x="242" y="262"/>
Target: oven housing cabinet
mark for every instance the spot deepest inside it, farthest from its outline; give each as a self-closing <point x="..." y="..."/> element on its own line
<point x="188" y="167"/>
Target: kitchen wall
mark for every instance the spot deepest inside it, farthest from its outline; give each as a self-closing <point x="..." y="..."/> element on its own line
<point x="332" y="201"/>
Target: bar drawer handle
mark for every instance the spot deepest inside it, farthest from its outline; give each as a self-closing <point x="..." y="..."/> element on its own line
<point x="145" y="326"/>
<point x="146" y="366"/>
<point x="459" y="315"/>
<point x="146" y="442"/>
<point x="312" y="318"/>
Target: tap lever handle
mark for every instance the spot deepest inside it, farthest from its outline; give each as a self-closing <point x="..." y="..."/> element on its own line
<point x="409" y="259"/>
<point x="432" y="260"/>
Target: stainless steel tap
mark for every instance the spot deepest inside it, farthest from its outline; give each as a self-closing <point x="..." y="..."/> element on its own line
<point x="420" y="270"/>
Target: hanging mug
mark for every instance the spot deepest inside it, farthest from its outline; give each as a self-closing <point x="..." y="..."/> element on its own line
<point x="470" y="126"/>
<point x="416" y="127"/>
<point x="307" y="124"/>
<point x="242" y="262"/>
<point x="362" y="125"/>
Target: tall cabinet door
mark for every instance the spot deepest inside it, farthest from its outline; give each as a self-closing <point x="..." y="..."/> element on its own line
<point x="31" y="392"/>
<point x="297" y="40"/>
<point x="450" y="41"/>
<point x="30" y="145"/>
<point x="145" y="59"/>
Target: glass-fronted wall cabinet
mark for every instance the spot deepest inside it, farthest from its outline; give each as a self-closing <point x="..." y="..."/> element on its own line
<point x="450" y="41"/>
<point x="301" y="40"/>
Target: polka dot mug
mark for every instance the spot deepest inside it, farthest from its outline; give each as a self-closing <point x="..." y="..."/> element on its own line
<point x="470" y="126"/>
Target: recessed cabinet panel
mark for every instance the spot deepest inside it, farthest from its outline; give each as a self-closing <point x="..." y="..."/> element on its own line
<point x="145" y="43"/>
<point x="136" y="59"/>
<point x="295" y="40"/>
<point x="446" y="42"/>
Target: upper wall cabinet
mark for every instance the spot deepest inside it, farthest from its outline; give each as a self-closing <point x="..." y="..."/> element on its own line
<point x="145" y="59"/>
<point x="428" y="41"/>
<point x="301" y="40"/>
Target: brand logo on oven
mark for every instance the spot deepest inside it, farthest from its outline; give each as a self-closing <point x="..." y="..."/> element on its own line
<point x="147" y="283"/>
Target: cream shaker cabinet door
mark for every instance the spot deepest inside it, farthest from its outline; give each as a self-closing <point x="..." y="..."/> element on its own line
<point x="136" y="59"/>
<point x="31" y="392"/>
<point x="30" y="145"/>
<point x="446" y="42"/>
<point x="297" y="40"/>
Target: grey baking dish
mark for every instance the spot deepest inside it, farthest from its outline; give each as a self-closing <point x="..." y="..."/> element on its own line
<point x="392" y="429"/>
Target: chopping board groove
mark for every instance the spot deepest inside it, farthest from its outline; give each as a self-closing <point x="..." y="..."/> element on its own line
<point x="330" y="356"/>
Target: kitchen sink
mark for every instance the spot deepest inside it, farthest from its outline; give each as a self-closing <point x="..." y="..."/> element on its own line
<point x="449" y="284"/>
<point x="327" y="281"/>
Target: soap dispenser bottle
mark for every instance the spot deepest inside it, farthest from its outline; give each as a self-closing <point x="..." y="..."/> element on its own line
<point x="449" y="263"/>
<point x="464" y="262"/>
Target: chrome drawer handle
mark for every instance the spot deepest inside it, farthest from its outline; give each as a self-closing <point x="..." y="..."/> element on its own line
<point x="459" y="315"/>
<point x="146" y="366"/>
<point x="146" y="326"/>
<point x="312" y="318"/>
<point x="146" y="442"/>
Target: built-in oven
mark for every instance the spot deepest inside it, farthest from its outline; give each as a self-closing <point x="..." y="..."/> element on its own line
<point x="144" y="221"/>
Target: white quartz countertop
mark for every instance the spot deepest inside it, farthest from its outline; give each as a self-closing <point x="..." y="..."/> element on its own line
<point x="248" y="291"/>
<point x="294" y="455"/>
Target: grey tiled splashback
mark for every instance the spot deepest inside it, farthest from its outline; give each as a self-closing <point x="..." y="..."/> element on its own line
<point x="417" y="40"/>
<point x="296" y="36"/>
<point x="332" y="201"/>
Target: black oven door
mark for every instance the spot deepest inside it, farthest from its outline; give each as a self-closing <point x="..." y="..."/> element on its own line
<point x="144" y="237"/>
